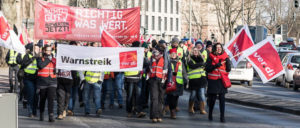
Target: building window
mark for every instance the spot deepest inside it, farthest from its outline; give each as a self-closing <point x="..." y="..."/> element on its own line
<point x="153" y="5"/>
<point x="146" y="5"/>
<point x="171" y="25"/>
<point x="177" y="24"/>
<point x="140" y="3"/>
<point x="146" y="21"/>
<point x="125" y="3"/>
<point x="159" y="23"/>
<point x="153" y="22"/>
<point x="171" y="6"/>
<point x="132" y="3"/>
<point x="177" y="7"/>
<point x="166" y="22"/>
<point x="166" y="6"/>
<point x="159" y="5"/>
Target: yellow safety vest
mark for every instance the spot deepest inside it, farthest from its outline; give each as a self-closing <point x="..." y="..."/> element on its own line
<point x="12" y="57"/>
<point x="31" y="68"/>
<point x="179" y="77"/>
<point x="131" y="73"/>
<point x="179" y="52"/>
<point x="195" y="73"/>
<point x="92" y="77"/>
<point x="204" y="53"/>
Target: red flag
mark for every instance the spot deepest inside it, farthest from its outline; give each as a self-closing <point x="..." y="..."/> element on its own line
<point x="239" y="43"/>
<point x="150" y="39"/>
<point x="8" y="38"/>
<point x="108" y="40"/>
<point x="265" y="60"/>
<point x="142" y="40"/>
<point x="21" y="38"/>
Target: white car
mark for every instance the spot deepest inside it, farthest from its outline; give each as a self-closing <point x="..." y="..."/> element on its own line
<point x="243" y="73"/>
<point x="290" y="63"/>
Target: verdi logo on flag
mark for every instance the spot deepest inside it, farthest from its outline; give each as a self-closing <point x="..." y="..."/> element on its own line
<point x="265" y="60"/>
<point x="239" y="43"/>
<point x="128" y="59"/>
<point x="60" y="22"/>
<point x="4" y="29"/>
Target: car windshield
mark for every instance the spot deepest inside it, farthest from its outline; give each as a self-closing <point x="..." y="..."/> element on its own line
<point x="295" y="59"/>
<point x="289" y="46"/>
<point x="241" y="64"/>
<point x="282" y="55"/>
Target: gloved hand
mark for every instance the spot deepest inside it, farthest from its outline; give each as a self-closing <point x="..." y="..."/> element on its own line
<point x="99" y="82"/>
<point x="219" y="64"/>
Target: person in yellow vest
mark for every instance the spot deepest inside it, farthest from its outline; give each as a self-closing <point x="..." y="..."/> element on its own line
<point x="92" y="83"/>
<point x="178" y="72"/>
<point x="107" y="87"/>
<point x="46" y="82"/>
<point x="197" y="80"/>
<point x="180" y="52"/>
<point x="29" y="64"/>
<point x="11" y="60"/>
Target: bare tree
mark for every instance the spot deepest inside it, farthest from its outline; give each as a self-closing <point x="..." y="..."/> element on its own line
<point x="228" y="12"/>
<point x="118" y="4"/>
<point x="249" y="11"/>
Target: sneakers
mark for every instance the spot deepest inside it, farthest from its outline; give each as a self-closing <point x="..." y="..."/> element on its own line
<point x="64" y="113"/>
<point x="99" y="112"/>
<point x="141" y="115"/>
<point x="154" y="120"/>
<point x="59" y="117"/>
<point x="159" y="120"/>
<point x="70" y="113"/>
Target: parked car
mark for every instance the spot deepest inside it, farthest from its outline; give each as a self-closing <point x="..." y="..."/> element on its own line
<point x="290" y="62"/>
<point x="296" y="78"/>
<point x="289" y="44"/>
<point x="283" y="53"/>
<point x="243" y="73"/>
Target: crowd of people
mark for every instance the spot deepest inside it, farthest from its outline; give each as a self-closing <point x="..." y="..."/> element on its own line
<point x="167" y="71"/>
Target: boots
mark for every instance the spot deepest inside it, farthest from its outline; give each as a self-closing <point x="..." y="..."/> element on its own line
<point x="202" y="108"/>
<point x="173" y="114"/>
<point x="191" y="107"/>
<point x="41" y="116"/>
<point x="51" y="117"/>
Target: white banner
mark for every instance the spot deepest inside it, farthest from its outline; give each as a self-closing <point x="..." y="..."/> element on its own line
<point x="115" y="59"/>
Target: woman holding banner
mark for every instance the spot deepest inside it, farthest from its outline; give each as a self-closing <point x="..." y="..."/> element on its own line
<point x="217" y="63"/>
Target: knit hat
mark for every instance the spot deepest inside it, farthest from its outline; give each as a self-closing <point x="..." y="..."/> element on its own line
<point x="198" y="42"/>
<point x="162" y="42"/>
<point x="173" y="50"/>
<point x="208" y="44"/>
<point x="174" y="40"/>
<point x="145" y="45"/>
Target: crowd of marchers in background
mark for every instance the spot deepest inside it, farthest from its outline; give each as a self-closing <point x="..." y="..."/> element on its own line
<point x="168" y="70"/>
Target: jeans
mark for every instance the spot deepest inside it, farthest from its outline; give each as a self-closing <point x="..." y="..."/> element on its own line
<point x="74" y="92"/>
<point x="199" y="94"/>
<point x="63" y="94"/>
<point x="145" y="92"/>
<point x="172" y="101"/>
<point x="133" y="96"/>
<point x="118" y="86"/>
<point x="156" y="98"/>
<point x="30" y="89"/>
<point x="96" y="88"/>
<point x="13" y="78"/>
<point x="107" y="88"/>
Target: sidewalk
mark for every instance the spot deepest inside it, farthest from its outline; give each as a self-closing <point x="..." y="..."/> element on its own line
<point x="265" y="102"/>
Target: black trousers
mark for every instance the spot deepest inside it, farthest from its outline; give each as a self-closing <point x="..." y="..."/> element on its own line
<point x="211" y="100"/>
<point x="172" y="101"/>
<point x="47" y="94"/>
<point x="13" y="78"/>
<point x="156" y="98"/>
<point x="63" y="92"/>
<point x="131" y="97"/>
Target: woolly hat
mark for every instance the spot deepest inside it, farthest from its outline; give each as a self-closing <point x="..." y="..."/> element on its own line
<point x="173" y="50"/>
<point x="145" y="45"/>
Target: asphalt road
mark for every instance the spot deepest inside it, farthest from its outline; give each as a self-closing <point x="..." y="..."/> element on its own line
<point x="237" y="116"/>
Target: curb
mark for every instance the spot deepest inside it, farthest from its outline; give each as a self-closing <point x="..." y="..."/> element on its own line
<point x="264" y="106"/>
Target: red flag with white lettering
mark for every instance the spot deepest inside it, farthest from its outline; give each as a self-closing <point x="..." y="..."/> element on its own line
<point x="8" y="38"/>
<point x="265" y="60"/>
<point x="239" y="43"/>
<point x="107" y="40"/>
<point x="21" y="38"/>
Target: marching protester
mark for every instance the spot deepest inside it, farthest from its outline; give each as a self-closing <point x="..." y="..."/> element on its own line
<point x="46" y="82"/>
<point x="29" y="64"/>
<point x="180" y="52"/>
<point x="92" y="83"/>
<point x="177" y="71"/>
<point x="208" y="47"/>
<point x="11" y="60"/>
<point x="157" y="81"/>
<point x="64" y="86"/>
<point x="197" y="80"/>
<point x="217" y="63"/>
